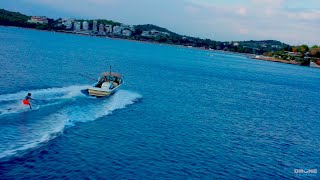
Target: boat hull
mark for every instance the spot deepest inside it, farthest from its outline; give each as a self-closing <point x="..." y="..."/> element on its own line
<point x="100" y="92"/>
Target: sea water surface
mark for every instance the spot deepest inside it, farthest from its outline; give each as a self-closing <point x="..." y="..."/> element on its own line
<point x="182" y="113"/>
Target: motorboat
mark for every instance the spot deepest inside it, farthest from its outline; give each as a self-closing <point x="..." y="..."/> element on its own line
<point x="107" y="84"/>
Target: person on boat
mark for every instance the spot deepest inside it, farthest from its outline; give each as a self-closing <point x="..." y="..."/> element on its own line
<point x="105" y="79"/>
<point x="26" y="100"/>
<point x="116" y="81"/>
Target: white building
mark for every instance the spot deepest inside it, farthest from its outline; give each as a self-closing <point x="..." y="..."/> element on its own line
<point x="76" y="26"/>
<point x="95" y="26"/>
<point x="108" y="28"/>
<point x="85" y="25"/>
<point x="126" y="32"/>
<point x="67" y="22"/>
<point x="117" y="30"/>
<point x="38" y="19"/>
<point x="154" y="33"/>
<point x="101" y="29"/>
<point x="145" y="34"/>
<point x="131" y="28"/>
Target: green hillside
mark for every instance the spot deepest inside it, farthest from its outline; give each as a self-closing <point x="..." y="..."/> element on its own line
<point x="13" y="18"/>
<point x="8" y="18"/>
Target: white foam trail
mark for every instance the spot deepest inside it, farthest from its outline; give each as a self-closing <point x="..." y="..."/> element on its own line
<point x="50" y="93"/>
<point x="11" y="103"/>
<point x="102" y="108"/>
<point x="54" y="124"/>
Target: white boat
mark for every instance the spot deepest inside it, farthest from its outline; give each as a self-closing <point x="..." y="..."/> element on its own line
<point x="107" y="84"/>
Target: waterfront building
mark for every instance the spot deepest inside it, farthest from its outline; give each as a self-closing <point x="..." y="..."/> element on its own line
<point x="95" y="26"/>
<point x="154" y="33"/>
<point x="85" y="25"/>
<point x="101" y="29"/>
<point x="126" y="32"/>
<point x="38" y="19"/>
<point x="132" y="29"/>
<point x="76" y="26"/>
<point x="68" y="24"/>
<point x="145" y="34"/>
<point x="108" y="28"/>
<point x="117" y="30"/>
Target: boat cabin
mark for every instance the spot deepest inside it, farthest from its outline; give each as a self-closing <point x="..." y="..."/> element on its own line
<point x="109" y="80"/>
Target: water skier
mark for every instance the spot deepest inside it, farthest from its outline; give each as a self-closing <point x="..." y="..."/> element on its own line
<point x="26" y="100"/>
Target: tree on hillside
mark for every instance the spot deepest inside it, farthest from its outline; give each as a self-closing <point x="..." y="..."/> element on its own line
<point x="287" y="48"/>
<point x="315" y="52"/>
<point x="294" y="49"/>
<point x="314" y="46"/>
<point x="304" y="48"/>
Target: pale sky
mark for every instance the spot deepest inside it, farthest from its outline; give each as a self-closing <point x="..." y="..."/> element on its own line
<point x="291" y="21"/>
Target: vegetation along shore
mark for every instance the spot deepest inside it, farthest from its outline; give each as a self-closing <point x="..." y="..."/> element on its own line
<point x="269" y="50"/>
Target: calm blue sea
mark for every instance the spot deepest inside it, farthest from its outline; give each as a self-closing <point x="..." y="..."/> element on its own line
<point x="182" y="113"/>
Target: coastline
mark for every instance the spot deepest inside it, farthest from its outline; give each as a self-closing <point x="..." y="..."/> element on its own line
<point x="250" y="56"/>
<point x="272" y="59"/>
<point x="263" y="58"/>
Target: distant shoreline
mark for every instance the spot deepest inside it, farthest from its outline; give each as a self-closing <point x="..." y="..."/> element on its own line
<point x="263" y="58"/>
<point x="250" y="56"/>
<point x="271" y="59"/>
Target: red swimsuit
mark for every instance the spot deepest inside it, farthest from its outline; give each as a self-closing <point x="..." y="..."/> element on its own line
<point x="25" y="102"/>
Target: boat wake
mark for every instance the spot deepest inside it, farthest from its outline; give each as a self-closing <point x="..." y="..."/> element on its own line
<point x="26" y="131"/>
<point x="12" y="103"/>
